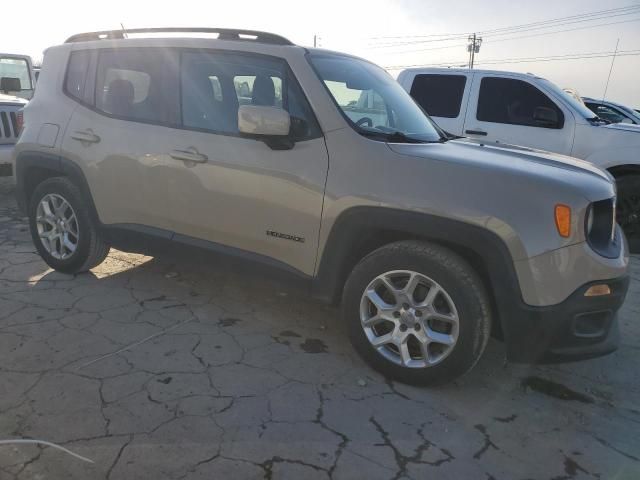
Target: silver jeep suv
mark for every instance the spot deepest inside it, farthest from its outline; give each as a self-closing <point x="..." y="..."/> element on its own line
<point x="319" y="164"/>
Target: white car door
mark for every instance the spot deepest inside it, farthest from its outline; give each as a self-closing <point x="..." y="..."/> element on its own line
<point x="515" y="111"/>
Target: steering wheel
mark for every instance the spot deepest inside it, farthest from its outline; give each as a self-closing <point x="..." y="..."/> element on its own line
<point x="363" y="121"/>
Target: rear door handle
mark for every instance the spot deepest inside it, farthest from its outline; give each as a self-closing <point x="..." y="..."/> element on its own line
<point x="85" y="136"/>
<point x="189" y="155"/>
<point x="476" y="132"/>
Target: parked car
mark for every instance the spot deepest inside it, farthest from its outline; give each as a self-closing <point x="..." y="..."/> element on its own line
<point x="16" y="87"/>
<point x="524" y="109"/>
<point x="612" y="111"/>
<point x="429" y="243"/>
<point x="10" y="125"/>
<point x="16" y="75"/>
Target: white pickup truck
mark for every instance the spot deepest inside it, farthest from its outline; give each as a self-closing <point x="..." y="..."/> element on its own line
<point x="17" y="84"/>
<point x="523" y="109"/>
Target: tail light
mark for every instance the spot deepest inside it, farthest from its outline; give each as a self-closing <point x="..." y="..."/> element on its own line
<point x="20" y="122"/>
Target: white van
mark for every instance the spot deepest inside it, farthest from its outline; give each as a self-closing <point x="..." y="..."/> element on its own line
<point x="523" y="109"/>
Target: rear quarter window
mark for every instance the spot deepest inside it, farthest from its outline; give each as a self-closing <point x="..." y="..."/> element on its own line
<point x="77" y="71"/>
<point x="439" y="95"/>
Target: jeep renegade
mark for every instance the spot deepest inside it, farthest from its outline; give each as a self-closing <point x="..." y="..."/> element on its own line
<point x="320" y="164"/>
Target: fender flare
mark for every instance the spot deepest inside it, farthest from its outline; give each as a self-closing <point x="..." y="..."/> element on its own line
<point x="59" y="166"/>
<point x="359" y="222"/>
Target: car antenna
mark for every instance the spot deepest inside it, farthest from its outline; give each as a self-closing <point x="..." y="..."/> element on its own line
<point x="606" y="87"/>
<point x="124" y="30"/>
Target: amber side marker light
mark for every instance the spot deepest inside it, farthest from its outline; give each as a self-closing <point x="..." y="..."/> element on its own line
<point x="563" y="220"/>
<point x="597" y="290"/>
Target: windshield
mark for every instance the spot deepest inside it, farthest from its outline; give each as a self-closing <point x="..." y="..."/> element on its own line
<point x="373" y="102"/>
<point x="568" y="98"/>
<point x="16" y="68"/>
<point x="630" y="111"/>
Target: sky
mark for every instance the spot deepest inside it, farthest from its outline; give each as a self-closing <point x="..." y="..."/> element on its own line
<point x="391" y="33"/>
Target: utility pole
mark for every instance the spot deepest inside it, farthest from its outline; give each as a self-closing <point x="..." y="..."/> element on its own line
<point x="610" y="70"/>
<point x="473" y="48"/>
<point x="315" y="41"/>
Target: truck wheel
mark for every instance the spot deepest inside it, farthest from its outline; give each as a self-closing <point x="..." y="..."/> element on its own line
<point x="62" y="229"/>
<point x="628" y="209"/>
<point x="417" y="312"/>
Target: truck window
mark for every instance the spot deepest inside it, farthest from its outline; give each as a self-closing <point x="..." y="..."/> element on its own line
<point x="16" y="68"/>
<point x="603" y="111"/>
<point x="439" y="95"/>
<point x="515" y="102"/>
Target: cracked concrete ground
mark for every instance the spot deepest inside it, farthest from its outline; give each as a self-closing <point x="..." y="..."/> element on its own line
<point x="168" y="368"/>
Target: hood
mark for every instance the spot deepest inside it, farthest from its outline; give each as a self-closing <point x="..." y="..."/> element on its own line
<point x="11" y="99"/>
<point x="502" y="155"/>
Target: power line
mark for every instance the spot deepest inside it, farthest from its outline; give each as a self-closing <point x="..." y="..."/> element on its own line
<point x="527" y="27"/>
<point x="564" y="30"/>
<point x="492" y="41"/>
<point x="497" y="61"/>
<point x="562" y="19"/>
<point x="541" y="27"/>
<point x="463" y="34"/>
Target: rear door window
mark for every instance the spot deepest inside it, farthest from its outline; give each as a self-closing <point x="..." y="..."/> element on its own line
<point x="138" y="84"/>
<point x="439" y="95"/>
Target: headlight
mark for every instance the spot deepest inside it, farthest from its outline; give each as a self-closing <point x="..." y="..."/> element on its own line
<point x="600" y="227"/>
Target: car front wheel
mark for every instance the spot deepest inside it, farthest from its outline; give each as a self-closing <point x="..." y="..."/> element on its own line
<point x="417" y="312"/>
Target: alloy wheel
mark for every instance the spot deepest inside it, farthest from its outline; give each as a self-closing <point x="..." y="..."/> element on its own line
<point x="409" y="319"/>
<point x="57" y="226"/>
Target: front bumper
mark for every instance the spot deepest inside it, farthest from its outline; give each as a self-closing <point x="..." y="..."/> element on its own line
<point x="576" y="329"/>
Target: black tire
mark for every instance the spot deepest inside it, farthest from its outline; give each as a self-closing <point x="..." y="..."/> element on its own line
<point x="459" y="280"/>
<point x="91" y="249"/>
<point x="629" y="209"/>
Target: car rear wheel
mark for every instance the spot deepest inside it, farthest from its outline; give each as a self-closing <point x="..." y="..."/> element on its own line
<point x="62" y="229"/>
<point x="417" y="312"/>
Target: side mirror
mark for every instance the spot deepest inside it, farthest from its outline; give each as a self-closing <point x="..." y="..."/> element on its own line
<point x="545" y="117"/>
<point x="10" y="84"/>
<point x="264" y="121"/>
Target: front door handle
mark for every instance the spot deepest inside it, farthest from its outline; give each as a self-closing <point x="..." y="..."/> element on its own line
<point x="189" y="155"/>
<point x="85" y="136"/>
<point x="476" y="132"/>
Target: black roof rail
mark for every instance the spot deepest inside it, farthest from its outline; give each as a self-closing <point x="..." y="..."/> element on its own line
<point x="223" y="34"/>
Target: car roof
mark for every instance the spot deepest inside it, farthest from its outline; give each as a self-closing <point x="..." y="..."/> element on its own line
<point x="466" y="70"/>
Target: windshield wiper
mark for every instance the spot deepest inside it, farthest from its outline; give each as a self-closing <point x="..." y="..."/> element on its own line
<point x="393" y="137"/>
<point x="598" y="119"/>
